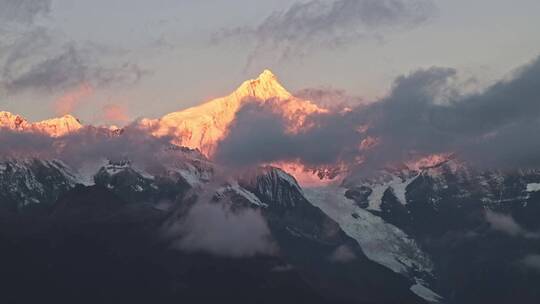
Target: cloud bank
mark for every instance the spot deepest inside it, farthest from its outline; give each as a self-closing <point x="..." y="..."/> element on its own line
<point x="425" y="113"/>
<point x="91" y="145"/>
<point x="259" y="135"/>
<point x="507" y="225"/>
<point x="214" y="228"/>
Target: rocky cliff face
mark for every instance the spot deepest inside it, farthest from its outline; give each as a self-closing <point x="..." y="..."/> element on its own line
<point x="477" y="226"/>
<point x="310" y="246"/>
<point x="431" y="230"/>
<point x="28" y="183"/>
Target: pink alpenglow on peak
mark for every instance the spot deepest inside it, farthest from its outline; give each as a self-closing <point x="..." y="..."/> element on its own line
<point x="12" y="121"/>
<point x="202" y="127"/>
<point x="264" y="87"/>
<point x="54" y="127"/>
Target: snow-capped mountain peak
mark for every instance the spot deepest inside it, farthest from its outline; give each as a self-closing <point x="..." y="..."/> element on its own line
<point x="58" y="126"/>
<point x="202" y="127"/>
<point x="12" y="121"/>
<point x="53" y="127"/>
<point x="264" y="87"/>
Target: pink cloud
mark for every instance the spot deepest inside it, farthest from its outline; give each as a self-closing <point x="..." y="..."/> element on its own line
<point x="115" y="113"/>
<point x="68" y="102"/>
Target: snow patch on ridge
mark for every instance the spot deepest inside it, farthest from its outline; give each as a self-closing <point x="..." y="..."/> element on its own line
<point x="380" y="241"/>
<point x="252" y="198"/>
<point x="427" y="294"/>
<point x="533" y="187"/>
<point x="87" y="171"/>
<point x="192" y="175"/>
<point x="288" y="178"/>
<point x="399" y="186"/>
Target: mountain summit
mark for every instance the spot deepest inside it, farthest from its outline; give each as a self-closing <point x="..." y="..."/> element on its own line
<point x="58" y="126"/>
<point x="54" y="127"/>
<point x="202" y="127"/>
<point x="264" y="87"/>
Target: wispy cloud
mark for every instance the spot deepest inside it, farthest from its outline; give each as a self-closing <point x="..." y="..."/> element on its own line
<point x="307" y="26"/>
<point x="506" y="224"/>
<point x="72" y="99"/>
<point x="91" y="145"/>
<point x="213" y="224"/>
<point x="23" y="11"/>
<point x="39" y="59"/>
<point x="329" y="98"/>
<point x="216" y="229"/>
<point x="343" y="254"/>
<point x="115" y="113"/>
<point x="531" y="261"/>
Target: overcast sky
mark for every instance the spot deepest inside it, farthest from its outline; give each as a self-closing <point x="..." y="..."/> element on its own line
<point x="147" y="58"/>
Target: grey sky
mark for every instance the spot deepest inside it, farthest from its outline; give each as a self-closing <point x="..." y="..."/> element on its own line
<point x="170" y="43"/>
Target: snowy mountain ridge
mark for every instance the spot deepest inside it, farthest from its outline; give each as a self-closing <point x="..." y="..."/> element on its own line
<point x="203" y="126"/>
<point x="54" y="127"/>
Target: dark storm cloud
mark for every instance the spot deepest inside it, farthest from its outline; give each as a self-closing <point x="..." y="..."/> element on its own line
<point x="258" y="135"/>
<point x="14" y="144"/>
<point x="402" y="120"/>
<point x="410" y="120"/>
<point x="315" y="24"/>
<point x="423" y="114"/>
<point x="23" y="11"/>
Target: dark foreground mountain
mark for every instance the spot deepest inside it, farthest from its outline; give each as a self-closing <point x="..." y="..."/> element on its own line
<point x="479" y="227"/>
<point x="445" y="233"/>
<point x="101" y="244"/>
